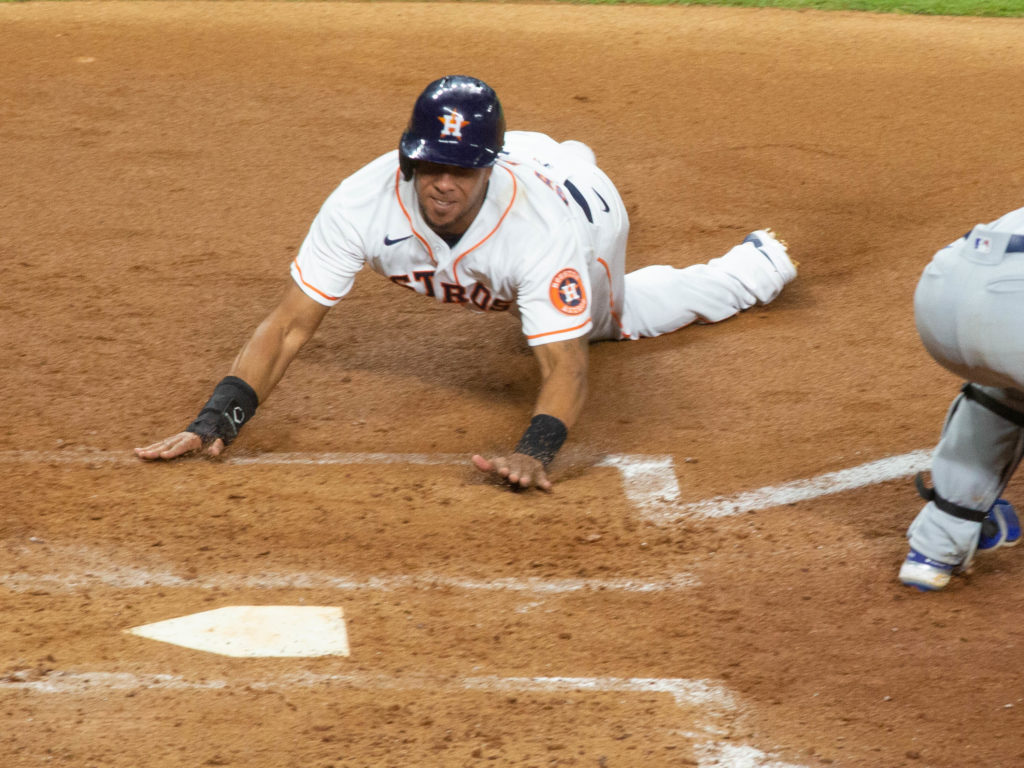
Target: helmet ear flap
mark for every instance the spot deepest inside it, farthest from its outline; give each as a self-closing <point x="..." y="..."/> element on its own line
<point x="406" y="165"/>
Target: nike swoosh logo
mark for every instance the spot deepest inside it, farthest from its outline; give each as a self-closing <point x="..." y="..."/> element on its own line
<point x="603" y="203"/>
<point x="389" y="241"/>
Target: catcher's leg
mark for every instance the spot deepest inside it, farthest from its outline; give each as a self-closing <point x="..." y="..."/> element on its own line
<point x="976" y="456"/>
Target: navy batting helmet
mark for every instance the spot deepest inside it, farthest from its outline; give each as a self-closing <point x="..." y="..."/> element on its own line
<point x="457" y="120"/>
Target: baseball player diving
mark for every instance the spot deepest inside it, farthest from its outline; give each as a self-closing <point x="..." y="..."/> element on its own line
<point x="969" y="310"/>
<point x="470" y="215"/>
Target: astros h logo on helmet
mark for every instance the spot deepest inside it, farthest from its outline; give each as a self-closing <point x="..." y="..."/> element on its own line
<point x="452" y="123"/>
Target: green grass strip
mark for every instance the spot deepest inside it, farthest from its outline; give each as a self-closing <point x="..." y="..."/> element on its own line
<point x="930" y="7"/>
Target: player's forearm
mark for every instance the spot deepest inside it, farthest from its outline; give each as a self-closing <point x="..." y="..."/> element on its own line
<point x="558" y="405"/>
<point x="257" y="368"/>
<point x="563" y="390"/>
<point x="562" y="395"/>
<point x="266" y="356"/>
<point x="277" y="340"/>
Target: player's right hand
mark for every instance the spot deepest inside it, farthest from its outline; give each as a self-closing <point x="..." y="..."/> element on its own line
<point x="177" y="445"/>
<point x="518" y="470"/>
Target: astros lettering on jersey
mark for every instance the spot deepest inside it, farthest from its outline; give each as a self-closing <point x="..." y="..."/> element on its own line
<point x="530" y="249"/>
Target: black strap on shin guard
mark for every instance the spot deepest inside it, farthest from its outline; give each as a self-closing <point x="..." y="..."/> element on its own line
<point x="971" y="392"/>
<point x="929" y="494"/>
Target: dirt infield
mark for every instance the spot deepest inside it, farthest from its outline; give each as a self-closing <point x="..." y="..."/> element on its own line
<point x="161" y="163"/>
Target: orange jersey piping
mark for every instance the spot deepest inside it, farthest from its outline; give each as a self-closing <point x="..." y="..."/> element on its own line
<point x="611" y="295"/>
<point x="563" y="330"/>
<point x="515" y="191"/>
<point x="310" y="286"/>
<point x="430" y="251"/>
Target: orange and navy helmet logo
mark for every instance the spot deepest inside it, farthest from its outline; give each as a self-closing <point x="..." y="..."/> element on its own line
<point x="453" y="123"/>
<point x="566" y="292"/>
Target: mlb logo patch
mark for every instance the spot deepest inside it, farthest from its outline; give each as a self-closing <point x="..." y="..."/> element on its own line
<point x="983" y="244"/>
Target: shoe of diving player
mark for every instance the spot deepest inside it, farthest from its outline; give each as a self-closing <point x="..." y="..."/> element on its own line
<point x="775" y="250"/>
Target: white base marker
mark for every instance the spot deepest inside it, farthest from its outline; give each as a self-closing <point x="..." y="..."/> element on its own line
<point x="256" y="631"/>
<point x="649" y="482"/>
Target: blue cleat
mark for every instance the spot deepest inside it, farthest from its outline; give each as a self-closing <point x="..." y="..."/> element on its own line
<point x="1000" y="528"/>
<point x="923" y="573"/>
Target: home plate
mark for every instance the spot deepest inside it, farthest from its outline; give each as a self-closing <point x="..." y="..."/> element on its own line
<point x="256" y="631"/>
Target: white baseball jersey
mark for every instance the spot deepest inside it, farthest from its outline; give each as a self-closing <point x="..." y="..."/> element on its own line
<point x="529" y="250"/>
<point x="548" y="244"/>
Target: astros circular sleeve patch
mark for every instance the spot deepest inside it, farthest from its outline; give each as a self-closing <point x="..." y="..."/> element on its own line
<point x="566" y="292"/>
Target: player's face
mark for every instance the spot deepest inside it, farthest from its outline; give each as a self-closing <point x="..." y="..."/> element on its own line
<point x="450" y="197"/>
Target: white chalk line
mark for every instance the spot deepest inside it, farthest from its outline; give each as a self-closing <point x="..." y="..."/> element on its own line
<point x="872" y="473"/>
<point x="713" y="701"/>
<point x="649" y="482"/>
<point x="684" y="692"/>
<point x="91" y="570"/>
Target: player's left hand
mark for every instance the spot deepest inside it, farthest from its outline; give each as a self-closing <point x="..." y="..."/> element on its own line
<point x="518" y="470"/>
<point x="181" y="444"/>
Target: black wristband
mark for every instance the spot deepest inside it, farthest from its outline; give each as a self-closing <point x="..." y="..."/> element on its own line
<point x="231" y="405"/>
<point x="543" y="438"/>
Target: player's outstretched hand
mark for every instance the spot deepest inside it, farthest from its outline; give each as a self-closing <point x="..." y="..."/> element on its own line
<point x="518" y="470"/>
<point x="179" y="445"/>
